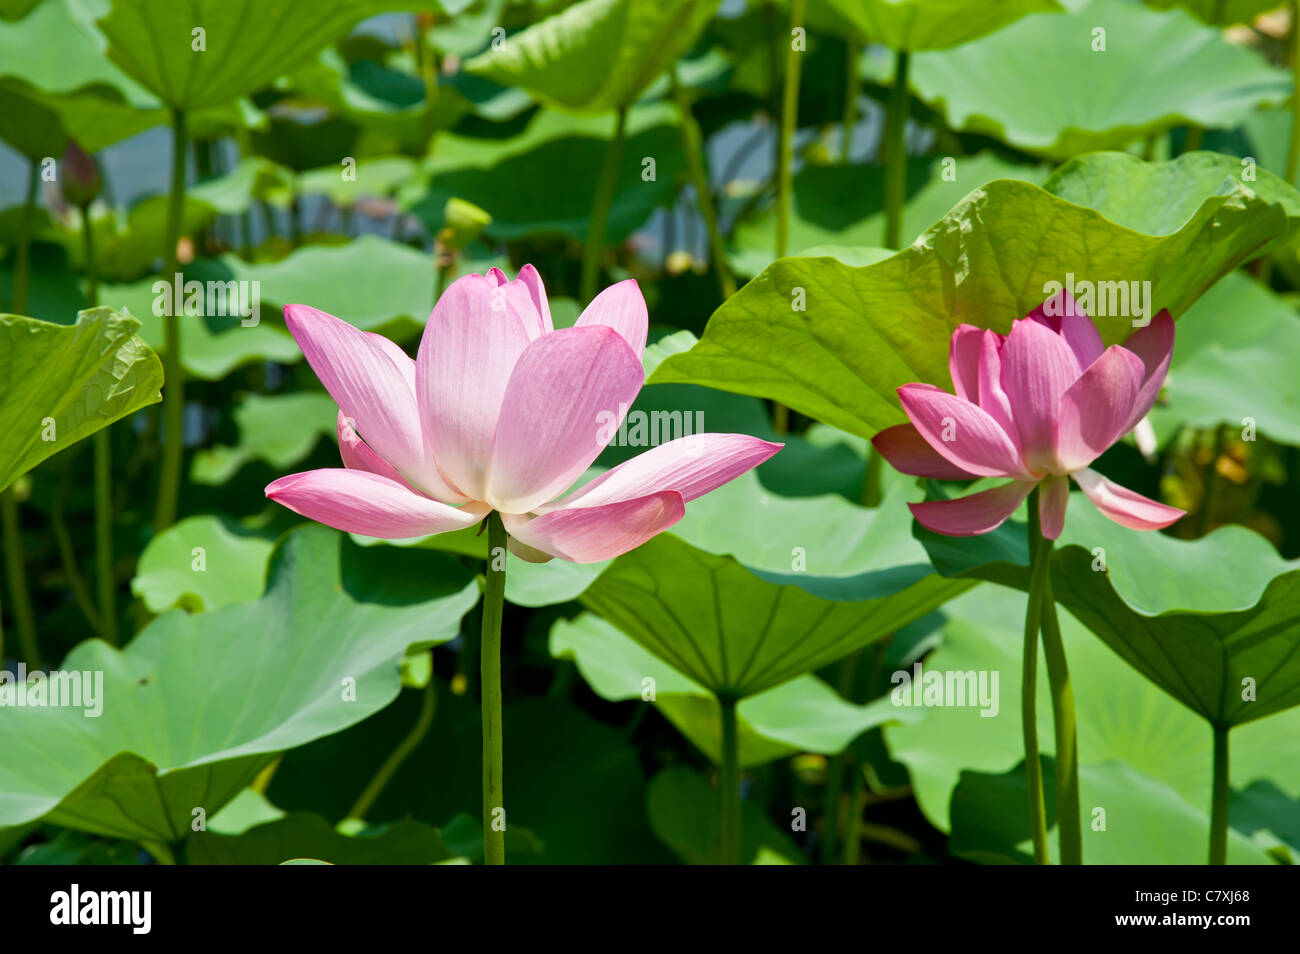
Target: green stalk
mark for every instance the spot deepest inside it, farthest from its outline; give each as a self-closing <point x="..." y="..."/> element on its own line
<point x="1067" y="742"/>
<point x="789" y="120"/>
<point x="1219" y="806"/>
<point x="399" y="755"/>
<point x="1040" y="554"/>
<point x="169" y="478"/>
<point x="494" y="842"/>
<point x="103" y="472"/>
<point x="857" y="804"/>
<point x="729" y="785"/>
<point x="13" y="545"/>
<point x="693" y="143"/>
<point x="67" y="554"/>
<point x="1293" y="151"/>
<point x="600" y="209"/>
<point x="896" y="153"/>
<point x="852" y="90"/>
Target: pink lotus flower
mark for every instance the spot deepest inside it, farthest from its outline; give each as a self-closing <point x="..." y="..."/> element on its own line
<point x="500" y="411"/>
<point x="1038" y="405"/>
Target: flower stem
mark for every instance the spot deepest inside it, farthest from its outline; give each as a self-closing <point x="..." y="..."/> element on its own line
<point x="399" y="755"/>
<point x="600" y="210"/>
<point x="729" y="784"/>
<point x="1293" y="151"/>
<point x="1219" y="806"/>
<point x="852" y="90"/>
<point x="1040" y="554"/>
<point x="23" y="245"/>
<point x="103" y="447"/>
<point x="494" y="836"/>
<point x="13" y="549"/>
<point x="789" y="120"/>
<point x="895" y="153"/>
<point x="1067" y="741"/>
<point x="693" y="144"/>
<point x="169" y="478"/>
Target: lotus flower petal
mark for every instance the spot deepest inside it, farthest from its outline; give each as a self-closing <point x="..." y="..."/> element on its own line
<point x="357" y="501"/>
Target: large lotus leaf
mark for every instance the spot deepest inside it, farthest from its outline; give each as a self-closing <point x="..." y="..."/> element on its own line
<point x="573" y="782"/>
<point x="381" y="100"/>
<point x="376" y="284"/>
<point x="127" y="250"/>
<point x="1120" y="717"/>
<point x="56" y="63"/>
<point x="197" y="704"/>
<point x="64" y="382"/>
<point x="843" y="205"/>
<point x="246" y="43"/>
<point x="1225" y="644"/>
<point x="802" y="715"/>
<point x="551" y="166"/>
<point x="307" y="835"/>
<point x="1158" y="70"/>
<point x="1159" y="197"/>
<point x="201" y="563"/>
<point x="280" y="429"/>
<point x="684" y="812"/>
<point x="866" y="331"/>
<point x="597" y="54"/>
<point x="1235" y="362"/>
<point x="811" y="580"/>
<point x="933" y="24"/>
<point x="1145" y="821"/>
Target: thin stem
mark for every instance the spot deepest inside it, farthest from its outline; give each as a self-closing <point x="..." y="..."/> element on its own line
<point x="23" y="244"/>
<point x="729" y="785"/>
<point x="423" y="721"/>
<point x="693" y="143"/>
<point x="13" y="548"/>
<point x="1219" y="806"/>
<point x="852" y="90"/>
<point x="857" y="804"/>
<point x="600" y="209"/>
<point x="169" y="478"/>
<point x="1067" y="742"/>
<point x="1195" y="138"/>
<point x="103" y="446"/>
<point x="871" y="493"/>
<point x="67" y="555"/>
<point x="896" y="153"/>
<point x="1212" y="481"/>
<point x="1293" y="151"/>
<point x="789" y="121"/>
<point x="1040" y="550"/>
<point x="494" y="836"/>
<point x="13" y="544"/>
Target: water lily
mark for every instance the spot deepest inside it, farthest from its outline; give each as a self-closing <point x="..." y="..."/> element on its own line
<point x="501" y="412"/>
<point x="1038" y="405"/>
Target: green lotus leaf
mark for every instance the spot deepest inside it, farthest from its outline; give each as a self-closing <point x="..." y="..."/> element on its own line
<point x="551" y="165"/>
<point x="1218" y="12"/>
<point x="1225" y="644"/>
<point x="1121" y="717"/>
<point x="844" y="205"/>
<point x="201" y="563"/>
<point x="802" y="715"/>
<point x="863" y="332"/>
<point x="64" y="382"/>
<point x="596" y="54"/>
<point x="197" y="705"/>
<point x="913" y="25"/>
<point x="803" y="582"/>
<point x="684" y="813"/>
<point x="280" y="429"/>
<point x="1145" y="72"/>
<point x="303" y="834"/>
